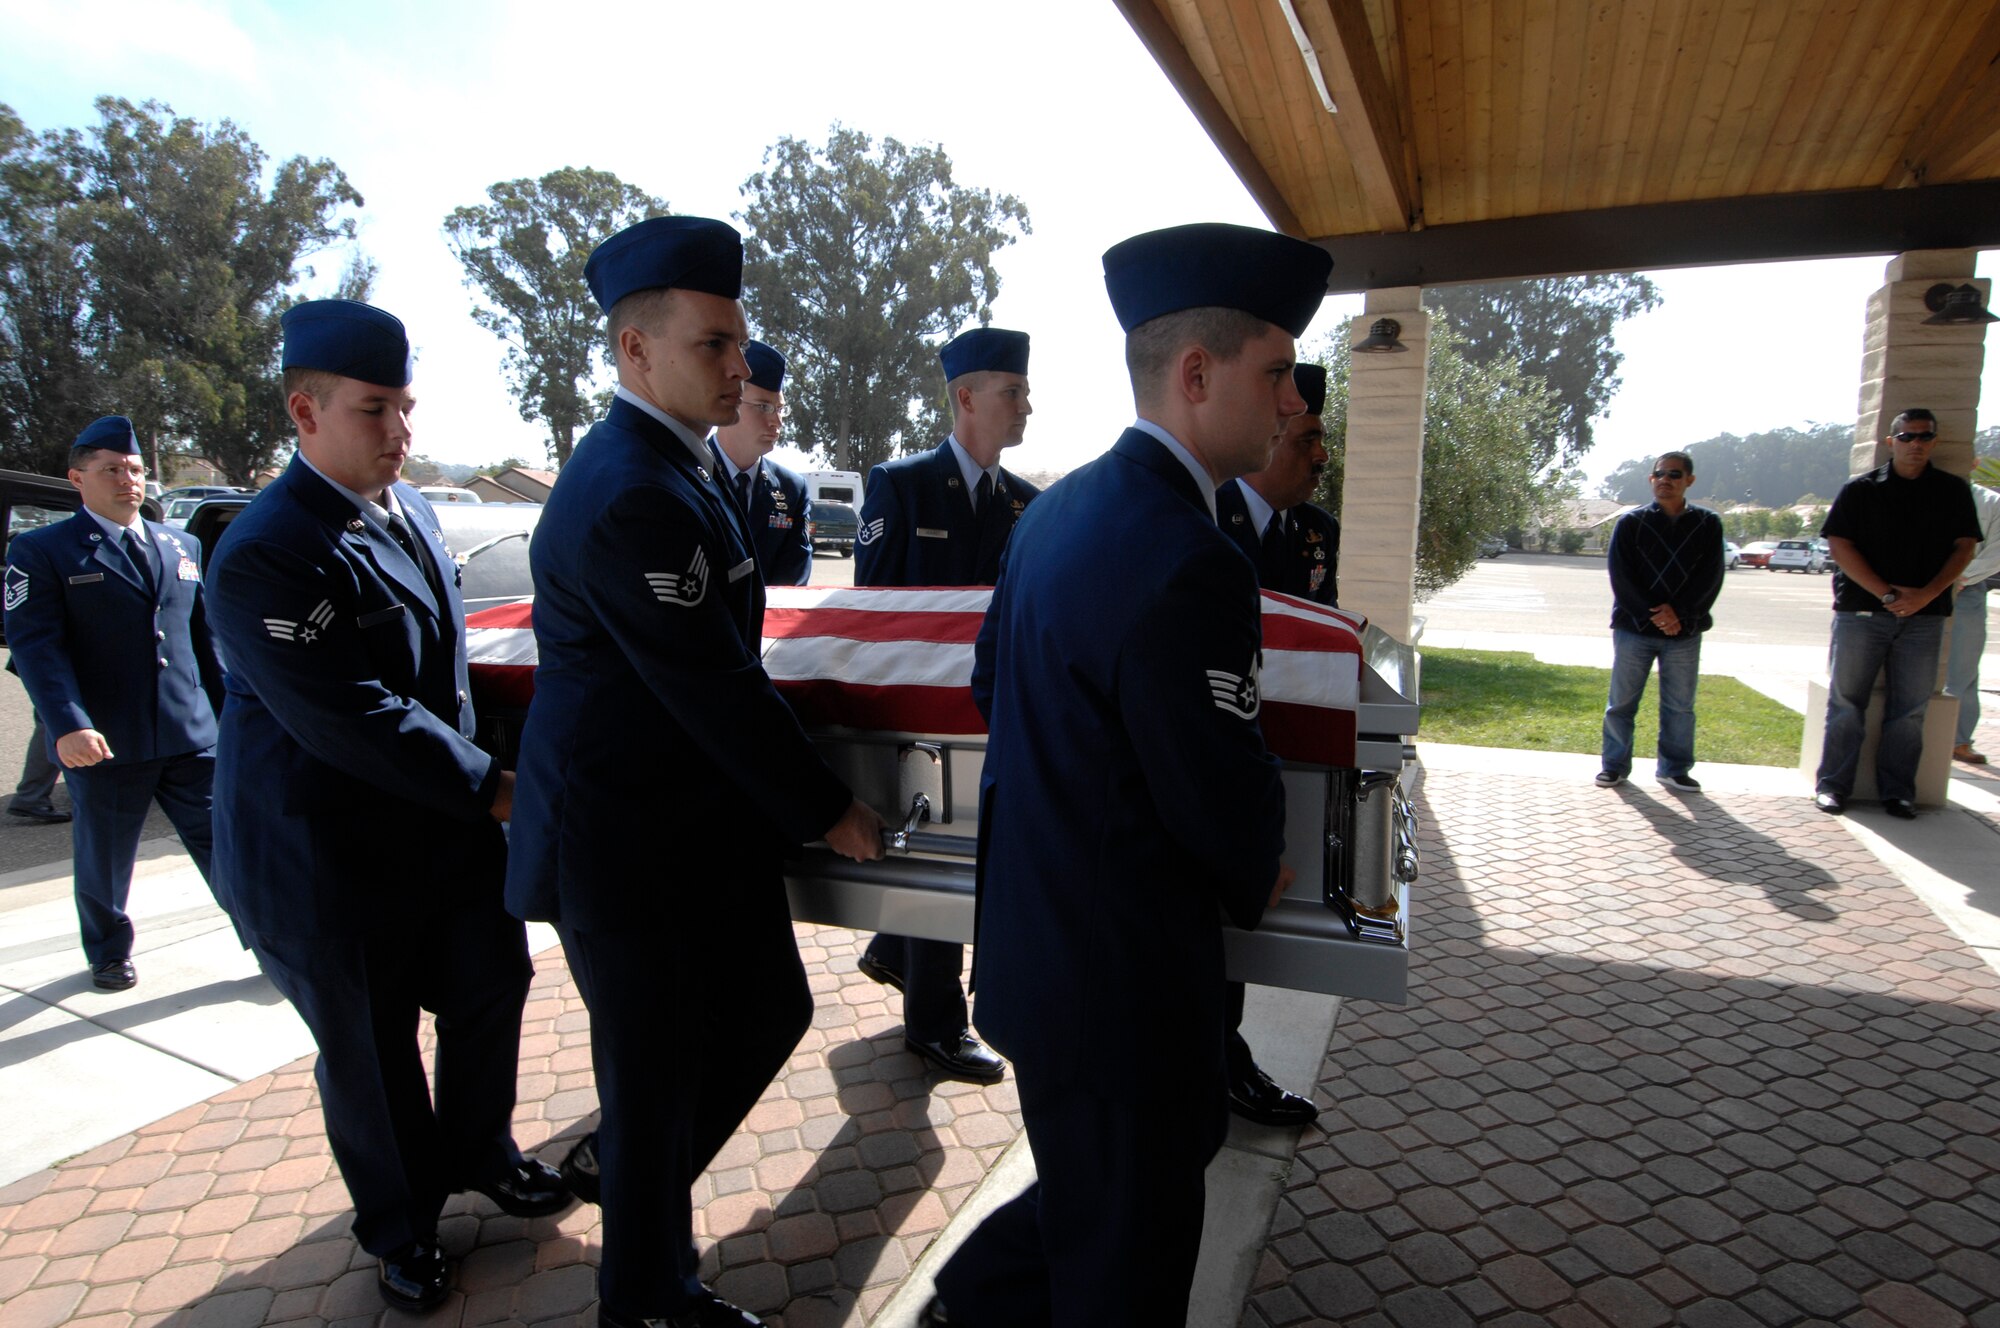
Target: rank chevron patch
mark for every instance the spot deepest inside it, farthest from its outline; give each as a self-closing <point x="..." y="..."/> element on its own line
<point x="872" y="531"/>
<point x="682" y="588"/>
<point x="305" y="633"/>
<point x="1235" y="692"/>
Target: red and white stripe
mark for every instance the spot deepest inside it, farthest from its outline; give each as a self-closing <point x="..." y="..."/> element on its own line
<point x="900" y="660"/>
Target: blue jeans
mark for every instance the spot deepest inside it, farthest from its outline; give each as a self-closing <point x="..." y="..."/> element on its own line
<point x="1863" y="644"/>
<point x="1632" y="657"/>
<point x="1968" y="641"/>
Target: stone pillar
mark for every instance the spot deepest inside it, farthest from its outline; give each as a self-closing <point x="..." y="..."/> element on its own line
<point x="1382" y="491"/>
<point x="1906" y="364"/>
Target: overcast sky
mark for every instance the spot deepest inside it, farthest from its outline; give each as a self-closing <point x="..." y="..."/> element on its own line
<point x="1055" y="101"/>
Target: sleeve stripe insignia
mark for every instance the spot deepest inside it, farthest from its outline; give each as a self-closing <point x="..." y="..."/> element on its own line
<point x="872" y="530"/>
<point x="305" y="633"/>
<point x="17" y="588"/>
<point x="1235" y="692"/>
<point x="682" y="588"/>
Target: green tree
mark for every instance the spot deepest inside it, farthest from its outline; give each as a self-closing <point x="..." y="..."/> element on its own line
<point x="49" y="379"/>
<point x="194" y="251"/>
<point x="1483" y="425"/>
<point x="1772" y="468"/>
<point x="860" y="261"/>
<point x="1561" y="330"/>
<point x="524" y="251"/>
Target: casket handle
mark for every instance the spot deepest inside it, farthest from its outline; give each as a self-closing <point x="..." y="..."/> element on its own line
<point x="898" y="841"/>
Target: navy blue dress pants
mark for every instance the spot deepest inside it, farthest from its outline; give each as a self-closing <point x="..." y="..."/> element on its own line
<point x="689" y="1023"/>
<point x="110" y="802"/>
<point x="402" y="1149"/>
<point x="933" y="1000"/>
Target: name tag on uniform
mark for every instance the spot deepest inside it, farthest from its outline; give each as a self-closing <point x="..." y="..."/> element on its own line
<point x="89" y="579"/>
<point x="390" y="614"/>
<point x="742" y="569"/>
<point x="190" y="570"/>
<point x="925" y="532"/>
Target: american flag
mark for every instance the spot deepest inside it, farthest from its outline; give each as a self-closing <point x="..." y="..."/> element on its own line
<point x="900" y="661"/>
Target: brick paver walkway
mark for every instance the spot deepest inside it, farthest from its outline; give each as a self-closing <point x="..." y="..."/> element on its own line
<point x="1693" y="1062"/>
<point x="231" y="1212"/>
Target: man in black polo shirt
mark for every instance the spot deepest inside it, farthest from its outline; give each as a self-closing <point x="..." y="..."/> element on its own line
<point x="1901" y="534"/>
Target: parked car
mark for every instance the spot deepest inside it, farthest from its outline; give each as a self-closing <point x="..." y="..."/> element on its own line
<point x="180" y="509"/>
<point x="833" y="526"/>
<point x="29" y="501"/>
<point x="1759" y="554"/>
<point x="1795" y="555"/>
<point x="447" y="493"/>
<point x="1732" y="556"/>
<point x="202" y="491"/>
<point x="1492" y="547"/>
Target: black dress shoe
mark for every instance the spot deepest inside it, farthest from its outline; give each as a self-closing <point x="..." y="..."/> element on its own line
<point x="114" y="975"/>
<point x="715" y="1312"/>
<point x="964" y="1057"/>
<point x="1254" y="1097"/>
<point x="530" y="1189"/>
<point x="880" y="971"/>
<point x="579" y="1169"/>
<point x="44" y="813"/>
<point x="414" y="1277"/>
<point x="1900" y="808"/>
<point x="1833" y="804"/>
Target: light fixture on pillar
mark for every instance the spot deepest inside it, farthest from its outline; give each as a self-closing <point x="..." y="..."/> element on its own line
<point x="1382" y="338"/>
<point x="1951" y="304"/>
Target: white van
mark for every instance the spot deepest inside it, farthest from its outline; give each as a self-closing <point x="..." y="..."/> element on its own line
<point x="834" y="486"/>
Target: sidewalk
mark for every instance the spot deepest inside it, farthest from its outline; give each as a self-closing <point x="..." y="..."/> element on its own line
<point x="1706" y="1061"/>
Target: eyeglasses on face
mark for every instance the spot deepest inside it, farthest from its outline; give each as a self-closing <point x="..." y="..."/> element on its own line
<point x="766" y="409"/>
<point x="126" y="472"/>
<point x="1675" y="474"/>
<point x="1907" y="437"/>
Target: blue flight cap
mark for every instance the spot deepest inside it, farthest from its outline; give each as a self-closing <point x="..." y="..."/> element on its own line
<point x="1211" y="264"/>
<point x="113" y="433"/>
<point x="1310" y="379"/>
<point x="984" y="348"/>
<point x="687" y="253"/>
<point x="767" y="367"/>
<point x="348" y="338"/>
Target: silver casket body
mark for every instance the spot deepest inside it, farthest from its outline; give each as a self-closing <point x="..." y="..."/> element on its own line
<point x="1343" y="928"/>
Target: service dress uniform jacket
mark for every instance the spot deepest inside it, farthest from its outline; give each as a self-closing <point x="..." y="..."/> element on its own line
<point x="1303" y="560"/>
<point x="1127" y="805"/>
<point x="103" y="644"/>
<point x="661" y="777"/>
<point x="779" y="517"/>
<point x="918" y="526"/>
<point x="355" y="841"/>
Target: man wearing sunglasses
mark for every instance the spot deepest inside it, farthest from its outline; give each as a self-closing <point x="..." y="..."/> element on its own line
<point x="1666" y="570"/>
<point x="1901" y="534"/>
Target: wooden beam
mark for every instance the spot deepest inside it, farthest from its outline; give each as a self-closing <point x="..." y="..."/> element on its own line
<point x="1164" y="45"/>
<point x="1768" y="229"/>
<point x="1366" y="113"/>
<point x="1963" y="112"/>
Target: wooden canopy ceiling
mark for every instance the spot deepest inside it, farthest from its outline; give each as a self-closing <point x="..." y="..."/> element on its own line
<point x="1475" y="139"/>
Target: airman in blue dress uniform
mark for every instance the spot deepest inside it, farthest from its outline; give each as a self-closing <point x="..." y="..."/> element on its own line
<point x="358" y="838"/>
<point x="1127" y="800"/>
<point x="773" y="497"/>
<point x="943" y="519"/>
<point x="656" y="749"/>
<point x="1295" y="545"/>
<point x="109" y="631"/>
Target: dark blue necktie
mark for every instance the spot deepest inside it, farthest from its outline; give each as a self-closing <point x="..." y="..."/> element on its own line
<point x="136" y="551"/>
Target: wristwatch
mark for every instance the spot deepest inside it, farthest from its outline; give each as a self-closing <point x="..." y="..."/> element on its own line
<point x="1891" y="595"/>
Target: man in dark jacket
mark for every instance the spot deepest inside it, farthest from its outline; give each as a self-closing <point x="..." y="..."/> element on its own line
<point x="1666" y="570"/>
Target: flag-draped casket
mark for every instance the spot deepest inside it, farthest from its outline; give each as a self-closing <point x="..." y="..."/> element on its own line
<point x="882" y="679"/>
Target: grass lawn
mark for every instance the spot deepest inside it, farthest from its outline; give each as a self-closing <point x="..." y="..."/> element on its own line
<point x="1487" y="698"/>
